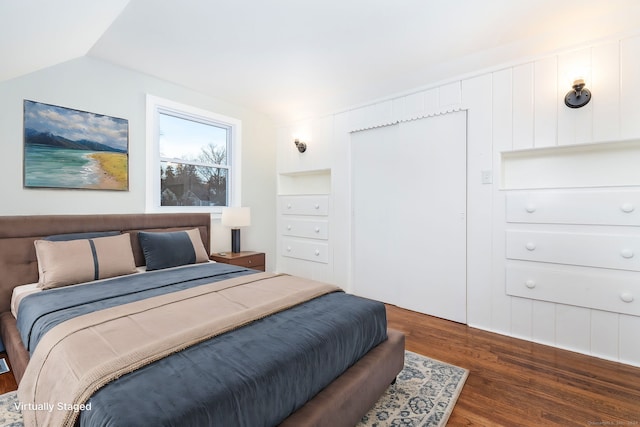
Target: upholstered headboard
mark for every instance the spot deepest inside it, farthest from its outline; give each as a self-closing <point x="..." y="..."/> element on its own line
<point x="18" y="265"/>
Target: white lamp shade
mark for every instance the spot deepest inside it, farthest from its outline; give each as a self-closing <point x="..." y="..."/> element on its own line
<point x="236" y="217"/>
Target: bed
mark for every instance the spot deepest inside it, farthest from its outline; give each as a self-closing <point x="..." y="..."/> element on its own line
<point x="340" y="396"/>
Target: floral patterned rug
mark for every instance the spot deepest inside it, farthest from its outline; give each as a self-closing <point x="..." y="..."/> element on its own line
<point x="10" y="415"/>
<point x="423" y="396"/>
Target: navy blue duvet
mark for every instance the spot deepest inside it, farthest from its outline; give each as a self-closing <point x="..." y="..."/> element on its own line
<point x="254" y="376"/>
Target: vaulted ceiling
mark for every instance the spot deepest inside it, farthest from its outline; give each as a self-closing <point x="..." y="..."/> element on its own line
<point x="293" y="58"/>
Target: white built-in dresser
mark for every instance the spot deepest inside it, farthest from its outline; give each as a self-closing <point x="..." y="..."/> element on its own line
<point x="573" y="225"/>
<point x="304" y="226"/>
<point x="304" y="208"/>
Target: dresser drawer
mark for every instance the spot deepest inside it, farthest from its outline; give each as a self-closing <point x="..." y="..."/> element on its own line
<point x="615" y="251"/>
<point x="304" y="205"/>
<point x="307" y="228"/>
<point x="617" y="291"/>
<point x="306" y="249"/>
<point x="253" y="261"/>
<point x="604" y="207"/>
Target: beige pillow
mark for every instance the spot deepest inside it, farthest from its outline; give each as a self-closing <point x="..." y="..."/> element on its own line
<point x="65" y="263"/>
<point x="198" y="246"/>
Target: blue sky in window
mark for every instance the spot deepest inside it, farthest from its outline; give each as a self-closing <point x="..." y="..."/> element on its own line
<point x="184" y="139"/>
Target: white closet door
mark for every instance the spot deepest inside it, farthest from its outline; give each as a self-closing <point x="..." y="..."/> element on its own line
<point x="409" y="215"/>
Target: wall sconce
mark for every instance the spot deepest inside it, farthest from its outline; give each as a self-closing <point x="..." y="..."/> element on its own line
<point x="579" y="96"/>
<point x="302" y="146"/>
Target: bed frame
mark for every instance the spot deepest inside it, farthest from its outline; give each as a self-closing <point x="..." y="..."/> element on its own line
<point x="341" y="403"/>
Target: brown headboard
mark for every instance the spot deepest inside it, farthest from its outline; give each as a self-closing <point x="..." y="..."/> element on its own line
<point x="18" y="265"/>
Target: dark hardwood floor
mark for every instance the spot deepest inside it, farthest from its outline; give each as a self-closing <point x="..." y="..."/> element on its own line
<point x="514" y="382"/>
<point x="518" y="383"/>
<point x="7" y="381"/>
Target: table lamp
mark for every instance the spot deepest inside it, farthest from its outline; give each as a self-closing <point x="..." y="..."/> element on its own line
<point x="236" y="218"/>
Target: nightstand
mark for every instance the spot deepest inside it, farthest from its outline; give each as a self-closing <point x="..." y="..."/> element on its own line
<point x="255" y="260"/>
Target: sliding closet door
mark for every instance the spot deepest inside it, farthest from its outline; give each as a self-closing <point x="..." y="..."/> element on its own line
<point x="409" y="215"/>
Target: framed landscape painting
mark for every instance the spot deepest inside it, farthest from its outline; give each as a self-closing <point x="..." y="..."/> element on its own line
<point x="66" y="148"/>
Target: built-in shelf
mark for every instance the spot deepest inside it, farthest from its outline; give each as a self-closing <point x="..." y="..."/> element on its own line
<point x="307" y="182"/>
<point x="607" y="164"/>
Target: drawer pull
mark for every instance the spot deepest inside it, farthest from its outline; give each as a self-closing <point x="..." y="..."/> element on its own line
<point x="249" y="262"/>
<point x="288" y="248"/>
<point x="317" y="229"/>
<point x="627" y="208"/>
<point x="317" y="206"/>
<point x="626" y="253"/>
<point x="530" y="208"/>
<point x="530" y="246"/>
<point x="530" y="284"/>
<point x="288" y="205"/>
<point x="289" y="227"/>
<point x="317" y="252"/>
<point x="626" y="297"/>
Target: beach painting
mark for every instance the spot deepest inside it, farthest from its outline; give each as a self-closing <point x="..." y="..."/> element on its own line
<point x="66" y="148"/>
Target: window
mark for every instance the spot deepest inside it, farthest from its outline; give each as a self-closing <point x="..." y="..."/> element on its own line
<point x="193" y="158"/>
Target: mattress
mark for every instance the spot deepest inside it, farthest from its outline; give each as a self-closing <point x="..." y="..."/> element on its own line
<point x="20" y="292"/>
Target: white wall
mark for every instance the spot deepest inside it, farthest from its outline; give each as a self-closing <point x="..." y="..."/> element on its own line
<point x="92" y="85"/>
<point x="512" y="107"/>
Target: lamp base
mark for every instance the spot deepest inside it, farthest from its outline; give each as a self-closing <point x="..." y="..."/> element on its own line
<point x="235" y="240"/>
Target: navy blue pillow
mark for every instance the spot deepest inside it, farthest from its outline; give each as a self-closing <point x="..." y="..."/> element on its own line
<point x="80" y="236"/>
<point x="171" y="249"/>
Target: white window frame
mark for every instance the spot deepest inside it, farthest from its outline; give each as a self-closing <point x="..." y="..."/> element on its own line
<point x="155" y="105"/>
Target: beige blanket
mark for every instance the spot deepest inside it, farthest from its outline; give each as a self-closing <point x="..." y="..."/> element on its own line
<point x="79" y="356"/>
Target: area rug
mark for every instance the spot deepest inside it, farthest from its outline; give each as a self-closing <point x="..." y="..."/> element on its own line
<point x="423" y="396"/>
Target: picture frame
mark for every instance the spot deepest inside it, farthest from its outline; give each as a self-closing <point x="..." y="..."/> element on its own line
<point x="73" y="149"/>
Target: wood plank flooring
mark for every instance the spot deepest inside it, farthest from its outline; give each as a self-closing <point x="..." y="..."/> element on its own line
<point x="518" y="383"/>
<point x="514" y="382"/>
<point x="7" y="380"/>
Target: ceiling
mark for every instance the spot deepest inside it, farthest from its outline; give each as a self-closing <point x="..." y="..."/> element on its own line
<point x="295" y="58"/>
